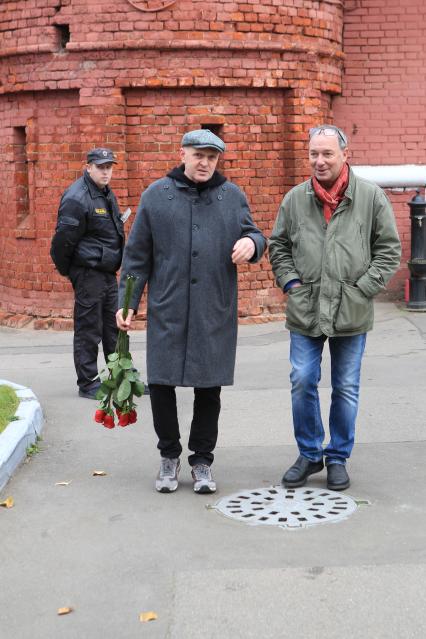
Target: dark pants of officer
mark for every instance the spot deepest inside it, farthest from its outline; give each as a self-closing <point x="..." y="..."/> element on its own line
<point x="204" y="426"/>
<point x="94" y="321"/>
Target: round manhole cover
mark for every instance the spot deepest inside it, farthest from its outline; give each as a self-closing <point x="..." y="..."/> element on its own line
<point x="287" y="507"/>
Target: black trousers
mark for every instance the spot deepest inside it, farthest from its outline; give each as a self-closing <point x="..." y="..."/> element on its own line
<point x="94" y="321"/>
<point x="204" y="425"/>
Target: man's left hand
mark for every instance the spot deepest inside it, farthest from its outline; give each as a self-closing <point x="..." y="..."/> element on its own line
<point x="243" y="250"/>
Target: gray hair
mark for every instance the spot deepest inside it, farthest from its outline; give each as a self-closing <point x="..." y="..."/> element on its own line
<point x="330" y="129"/>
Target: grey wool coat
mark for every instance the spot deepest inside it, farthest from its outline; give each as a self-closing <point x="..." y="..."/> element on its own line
<point x="180" y="245"/>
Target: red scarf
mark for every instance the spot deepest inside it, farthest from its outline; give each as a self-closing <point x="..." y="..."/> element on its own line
<point x="332" y="197"/>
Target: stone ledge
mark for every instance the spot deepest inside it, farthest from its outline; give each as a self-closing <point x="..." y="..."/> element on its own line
<point x="13" y="320"/>
<point x="261" y="319"/>
<point x="66" y="324"/>
<point x="62" y="324"/>
<point x="20" y="434"/>
<point x="54" y="323"/>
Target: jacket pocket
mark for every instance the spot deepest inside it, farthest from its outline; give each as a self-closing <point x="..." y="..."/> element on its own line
<point x="300" y="307"/>
<point x="88" y="253"/>
<point x="111" y="260"/>
<point x="355" y="310"/>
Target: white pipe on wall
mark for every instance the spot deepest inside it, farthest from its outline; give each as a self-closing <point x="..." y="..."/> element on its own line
<point x="394" y="176"/>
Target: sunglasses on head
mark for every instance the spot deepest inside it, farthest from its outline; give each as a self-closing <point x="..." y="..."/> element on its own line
<point x="328" y="130"/>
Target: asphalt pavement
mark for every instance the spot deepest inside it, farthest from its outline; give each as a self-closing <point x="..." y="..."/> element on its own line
<point x="111" y="548"/>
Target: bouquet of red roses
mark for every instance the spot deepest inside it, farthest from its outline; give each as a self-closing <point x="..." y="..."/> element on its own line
<point x="120" y="381"/>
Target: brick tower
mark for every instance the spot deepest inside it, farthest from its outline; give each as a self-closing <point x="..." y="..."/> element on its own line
<point x="134" y="75"/>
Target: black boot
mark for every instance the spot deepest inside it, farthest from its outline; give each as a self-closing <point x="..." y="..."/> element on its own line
<point x="337" y="477"/>
<point x="298" y="473"/>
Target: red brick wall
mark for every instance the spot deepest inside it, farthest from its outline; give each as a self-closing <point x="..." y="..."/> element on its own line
<point x="53" y="159"/>
<point x="135" y="81"/>
<point x="252" y="126"/>
<point x="383" y="101"/>
<point x="29" y="25"/>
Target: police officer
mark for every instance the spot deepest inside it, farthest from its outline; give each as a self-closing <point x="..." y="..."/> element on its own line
<point x="87" y="247"/>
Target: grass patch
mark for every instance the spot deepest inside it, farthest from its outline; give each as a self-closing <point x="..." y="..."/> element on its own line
<point x="9" y="402"/>
<point x="34" y="448"/>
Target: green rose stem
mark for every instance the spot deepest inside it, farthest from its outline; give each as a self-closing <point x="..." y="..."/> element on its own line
<point x="123" y="339"/>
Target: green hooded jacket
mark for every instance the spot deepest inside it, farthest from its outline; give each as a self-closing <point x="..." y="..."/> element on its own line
<point x="342" y="265"/>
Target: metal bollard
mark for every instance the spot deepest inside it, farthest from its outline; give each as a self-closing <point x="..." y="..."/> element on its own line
<point x="417" y="262"/>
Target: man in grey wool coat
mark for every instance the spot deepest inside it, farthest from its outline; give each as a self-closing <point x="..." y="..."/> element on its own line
<point x="191" y="230"/>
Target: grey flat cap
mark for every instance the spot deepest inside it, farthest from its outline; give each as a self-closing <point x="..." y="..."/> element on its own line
<point x="202" y="139"/>
<point x="101" y="156"/>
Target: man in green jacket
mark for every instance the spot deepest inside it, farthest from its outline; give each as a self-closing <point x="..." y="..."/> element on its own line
<point x="334" y="246"/>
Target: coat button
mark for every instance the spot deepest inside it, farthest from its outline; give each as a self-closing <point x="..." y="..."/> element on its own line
<point x="194" y="280"/>
<point x="195" y="227"/>
<point x="194" y="253"/>
<point x="170" y="197"/>
<point x="220" y="197"/>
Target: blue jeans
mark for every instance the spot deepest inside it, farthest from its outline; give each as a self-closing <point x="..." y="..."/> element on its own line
<point x="305" y="357"/>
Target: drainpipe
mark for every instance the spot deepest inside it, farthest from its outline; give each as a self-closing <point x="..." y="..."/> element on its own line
<point x="394" y="176"/>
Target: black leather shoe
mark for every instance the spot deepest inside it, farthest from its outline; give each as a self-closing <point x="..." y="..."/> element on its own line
<point x="298" y="473"/>
<point x="337" y="477"/>
<point x="88" y="394"/>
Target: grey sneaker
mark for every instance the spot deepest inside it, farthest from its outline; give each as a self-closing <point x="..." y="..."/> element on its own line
<point x="167" y="478"/>
<point x="203" y="480"/>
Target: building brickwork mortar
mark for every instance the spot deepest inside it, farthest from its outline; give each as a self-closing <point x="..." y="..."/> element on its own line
<point x="133" y="76"/>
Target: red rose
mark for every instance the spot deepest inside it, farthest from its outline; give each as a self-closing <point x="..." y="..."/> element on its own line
<point x="99" y="416"/>
<point x="124" y="419"/>
<point x="109" y="421"/>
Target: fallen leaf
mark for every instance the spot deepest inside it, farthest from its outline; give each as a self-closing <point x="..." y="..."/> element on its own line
<point x="63" y="483"/>
<point x="147" y="616"/>
<point x="99" y="473"/>
<point x="7" y="503"/>
<point x="64" y="611"/>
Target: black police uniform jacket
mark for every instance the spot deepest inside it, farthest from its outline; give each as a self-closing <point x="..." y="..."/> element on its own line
<point x="89" y="232"/>
<point x="181" y="244"/>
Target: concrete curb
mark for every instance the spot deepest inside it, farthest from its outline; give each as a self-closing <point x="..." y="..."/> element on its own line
<point x="19" y="434"/>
